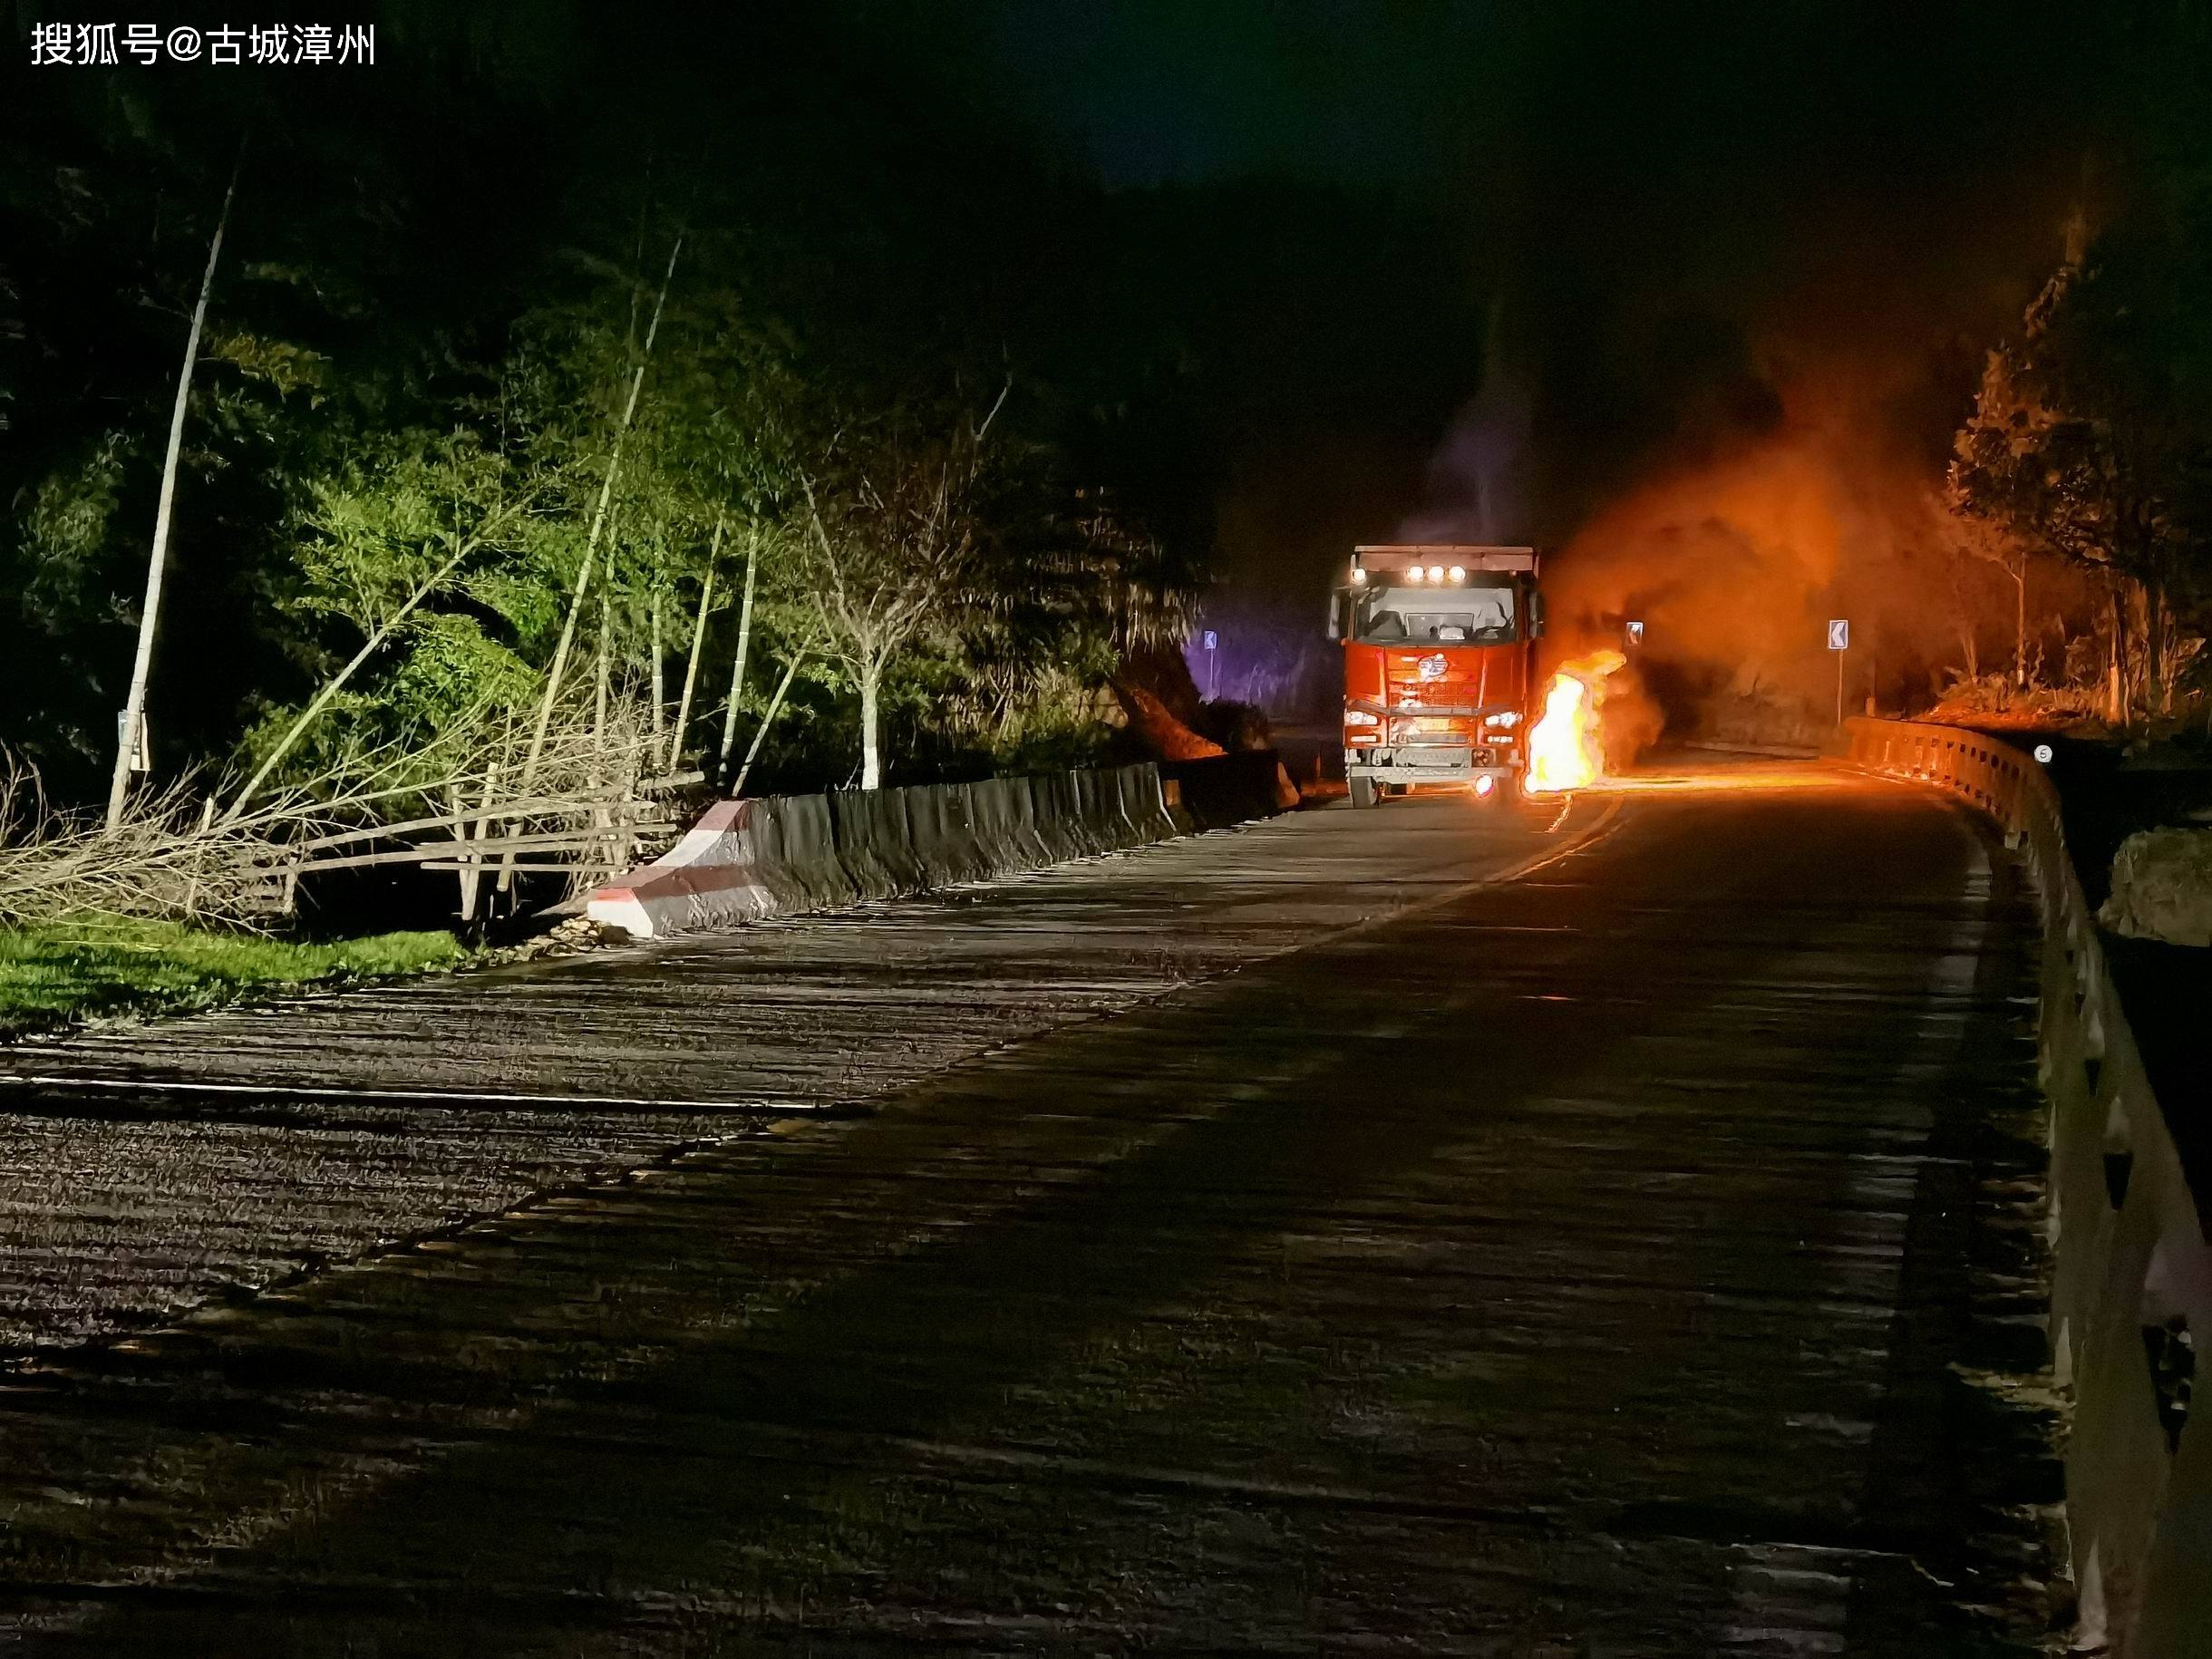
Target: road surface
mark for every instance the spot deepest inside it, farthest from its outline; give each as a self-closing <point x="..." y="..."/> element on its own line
<point x="1425" y="1231"/>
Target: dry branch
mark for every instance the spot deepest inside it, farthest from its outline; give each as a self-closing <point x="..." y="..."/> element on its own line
<point x="166" y="857"/>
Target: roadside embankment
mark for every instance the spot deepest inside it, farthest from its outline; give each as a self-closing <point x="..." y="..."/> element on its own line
<point x="2162" y="888"/>
<point x="2132" y="1290"/>
<point x="745" y="859"/>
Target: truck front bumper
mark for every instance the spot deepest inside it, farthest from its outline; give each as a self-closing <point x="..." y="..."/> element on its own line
<point x="1431" y="763"/>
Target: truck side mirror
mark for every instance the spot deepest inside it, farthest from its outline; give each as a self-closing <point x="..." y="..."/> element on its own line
<point x="1337" y="613"/>
<point x="1536" y="615"/>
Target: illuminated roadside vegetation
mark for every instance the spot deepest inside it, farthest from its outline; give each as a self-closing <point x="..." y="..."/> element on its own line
<point x="577" y="374"/>
<point x="95" y="966"/>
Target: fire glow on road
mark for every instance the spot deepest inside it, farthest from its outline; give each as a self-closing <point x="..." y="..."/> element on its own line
<point x="1726" y="777"/>
<point x="1566" y="751"/>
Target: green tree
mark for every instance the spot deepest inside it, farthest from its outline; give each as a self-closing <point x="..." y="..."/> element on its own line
<point x="416" y="540"/>
<point x="2092" y="436"/>
<point x="889" y="555"/>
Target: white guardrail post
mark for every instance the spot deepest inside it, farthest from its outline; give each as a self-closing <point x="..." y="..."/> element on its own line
<point x="2139" y="1501"/>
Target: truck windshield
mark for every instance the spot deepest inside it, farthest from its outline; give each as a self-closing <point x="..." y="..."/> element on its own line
<point x="1426" y="616"/>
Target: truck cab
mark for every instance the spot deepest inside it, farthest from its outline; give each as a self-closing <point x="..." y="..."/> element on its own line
<point x="1440" y="667"/>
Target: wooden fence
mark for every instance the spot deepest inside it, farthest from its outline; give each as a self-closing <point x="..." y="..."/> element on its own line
<point x="588" y="837"/>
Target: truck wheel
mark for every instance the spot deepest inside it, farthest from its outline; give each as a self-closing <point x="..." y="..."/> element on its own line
<point x="1362" y="791"/>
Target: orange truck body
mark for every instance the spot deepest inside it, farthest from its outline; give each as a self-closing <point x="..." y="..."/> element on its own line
<point x="1439" y="667"/>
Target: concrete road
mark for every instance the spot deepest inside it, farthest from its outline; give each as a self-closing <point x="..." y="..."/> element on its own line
<point x="1471" y="1234"/>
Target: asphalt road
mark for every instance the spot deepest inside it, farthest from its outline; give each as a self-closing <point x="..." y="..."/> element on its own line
<point x="1413" y="1231"/>
<point x="144" y="1168"/>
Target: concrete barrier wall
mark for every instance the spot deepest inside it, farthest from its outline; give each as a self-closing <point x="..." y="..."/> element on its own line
<point x="795" y="850"/>
<point x="1144" y="803"/>
<point x="749" y="859"/>
<point x="2139" y="1502"/>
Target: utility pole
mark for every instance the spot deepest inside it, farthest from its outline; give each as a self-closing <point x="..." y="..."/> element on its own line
<point x="128" y="738"/>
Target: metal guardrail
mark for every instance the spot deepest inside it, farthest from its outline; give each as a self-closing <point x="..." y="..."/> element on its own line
<point x="2132" y="1269"/>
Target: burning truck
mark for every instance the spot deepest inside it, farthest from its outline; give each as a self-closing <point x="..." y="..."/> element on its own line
<point x="1440" y="667"/>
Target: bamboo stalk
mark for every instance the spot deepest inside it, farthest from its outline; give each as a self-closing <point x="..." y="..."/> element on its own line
<point x="468" y="872"/>
<point x="545" y="807"/>
<point x="627" y="818"/>
<point x="578" y="842"/>
<point x="766" y="720"/>
<point x="599" y="719"/>
<point x="540" y="807"/>
<point x="691" y="667"/>
<point x="598" y="528"/>
<point x="157" y="562"/>
<point x="483" y="826"/>
<point x="337" y="682"/>
<point x="737" y="672"/>
<point x="524" y="867"/>
<point x="598" y="730"/>
<point x="660" y="690"/>
<point x="206" y="823"/>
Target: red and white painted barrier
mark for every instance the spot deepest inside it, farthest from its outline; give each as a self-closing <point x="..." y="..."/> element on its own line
<point x="707" y="879"/>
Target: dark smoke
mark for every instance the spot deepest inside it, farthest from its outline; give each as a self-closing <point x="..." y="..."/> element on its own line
<point x="1708" y="285"/>
<point x="1746" y="282"/>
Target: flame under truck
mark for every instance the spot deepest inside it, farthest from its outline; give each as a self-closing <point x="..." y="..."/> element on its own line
<point x="1440" y="667"/>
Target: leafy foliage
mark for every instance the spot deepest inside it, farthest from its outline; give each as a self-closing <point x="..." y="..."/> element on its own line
<point x="2091" y="433"/>
<point x="432" y="306"/>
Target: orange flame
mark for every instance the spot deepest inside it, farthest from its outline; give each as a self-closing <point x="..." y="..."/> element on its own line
<point x="1564" y="750"/>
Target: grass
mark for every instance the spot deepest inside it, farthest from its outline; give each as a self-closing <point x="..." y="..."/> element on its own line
<point x="98" y="965"/>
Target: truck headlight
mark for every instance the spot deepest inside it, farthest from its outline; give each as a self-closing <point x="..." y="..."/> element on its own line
<point x="1357" y="717"/>
<point x="1507" y="718"/>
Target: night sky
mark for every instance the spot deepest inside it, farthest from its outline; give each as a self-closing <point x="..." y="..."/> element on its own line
<point x="1669" y="206"/>
<point x="1774" y="237"/>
